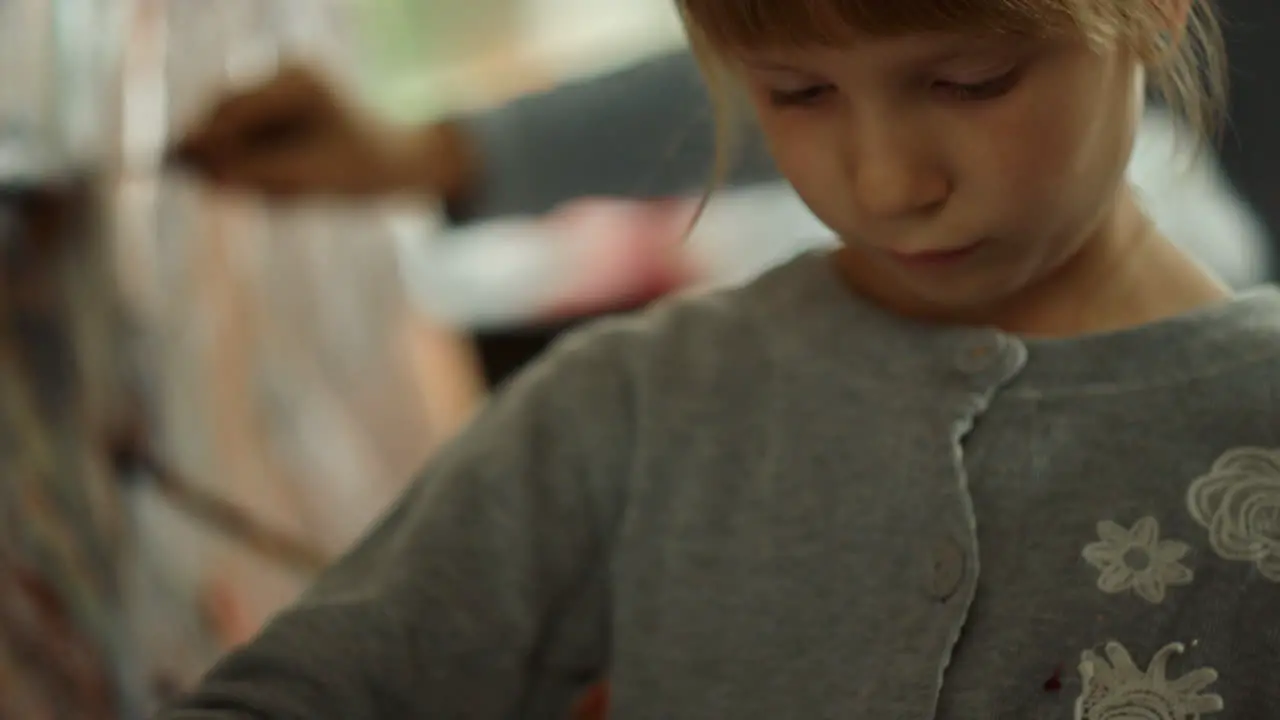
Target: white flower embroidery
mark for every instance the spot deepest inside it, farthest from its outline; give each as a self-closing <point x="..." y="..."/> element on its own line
<point x="1239" y="502"/>
<point x="1137" y="560"/>
<point x="1115" y="689"/>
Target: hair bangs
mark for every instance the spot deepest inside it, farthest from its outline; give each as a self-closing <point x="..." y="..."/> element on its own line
<point x="729" y="25"/>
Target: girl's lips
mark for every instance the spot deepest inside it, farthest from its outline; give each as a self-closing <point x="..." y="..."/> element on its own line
<point x="933" y="258"/>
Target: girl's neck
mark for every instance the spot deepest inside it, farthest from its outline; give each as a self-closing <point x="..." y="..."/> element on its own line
<point x="1126" y="274"/>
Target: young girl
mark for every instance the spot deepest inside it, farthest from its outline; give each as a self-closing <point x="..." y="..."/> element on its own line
<point x="1007" y="454"/>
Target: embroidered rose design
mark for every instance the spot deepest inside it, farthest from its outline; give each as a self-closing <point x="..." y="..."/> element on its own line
<point x="1137" y="559"/>
<point x="1239" y="502"/>
<point x="1113" y="688"/>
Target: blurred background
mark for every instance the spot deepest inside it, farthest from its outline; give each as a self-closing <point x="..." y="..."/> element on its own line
<point x="204" y="396"/>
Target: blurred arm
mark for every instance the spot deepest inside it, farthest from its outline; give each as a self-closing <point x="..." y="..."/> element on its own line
<point x="642" y="132"/>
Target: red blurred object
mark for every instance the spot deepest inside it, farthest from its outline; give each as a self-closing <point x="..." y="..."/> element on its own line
<point x="595" y="705"/>
<point x="1054" y="683"/>
<point x="626" y="254"/>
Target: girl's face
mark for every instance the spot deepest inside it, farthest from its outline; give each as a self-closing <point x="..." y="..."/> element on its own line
<point x="958" y="171"/>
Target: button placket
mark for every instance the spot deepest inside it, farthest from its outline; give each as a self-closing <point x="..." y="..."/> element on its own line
<point x="947" y="572"/>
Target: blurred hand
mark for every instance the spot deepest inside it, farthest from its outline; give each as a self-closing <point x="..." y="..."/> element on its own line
<point x="293" y="135"/>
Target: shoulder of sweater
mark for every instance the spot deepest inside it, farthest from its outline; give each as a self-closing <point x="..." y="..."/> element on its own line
<point x="683" y="327"/>
<point x="687" y="336"/>
<point x="700" y="323"/>
<point x="1250" y="330"/>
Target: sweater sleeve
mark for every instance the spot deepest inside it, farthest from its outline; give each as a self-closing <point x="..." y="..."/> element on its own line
<point x="481" y="594"/>
<point x="642" y="132"/>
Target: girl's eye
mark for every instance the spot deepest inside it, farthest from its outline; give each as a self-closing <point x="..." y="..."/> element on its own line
<point x="985" y="90"/>
<point x="802" y="97"/>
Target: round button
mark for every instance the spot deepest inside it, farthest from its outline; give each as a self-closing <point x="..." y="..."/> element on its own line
<point x="948" y="570"/>
<point x="980" y="356"/>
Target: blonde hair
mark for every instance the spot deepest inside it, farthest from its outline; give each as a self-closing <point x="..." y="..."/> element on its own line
<point x="1187" y="68"/>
